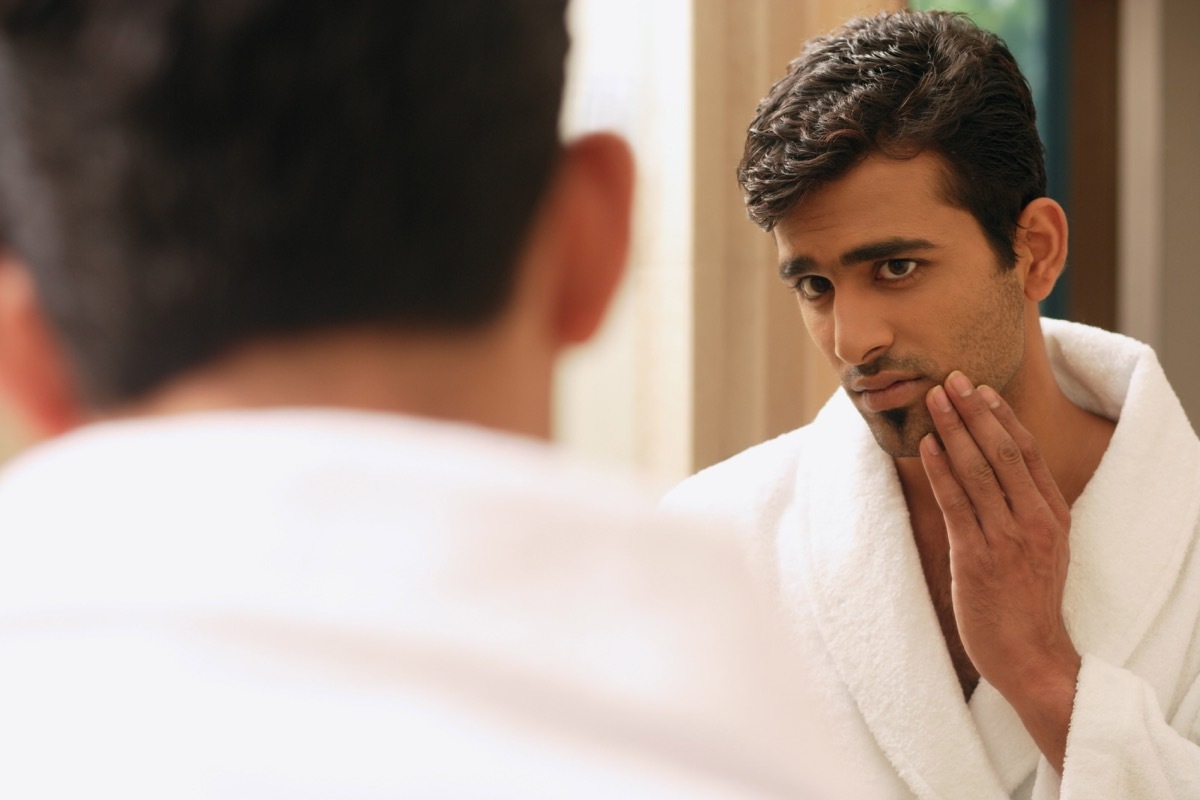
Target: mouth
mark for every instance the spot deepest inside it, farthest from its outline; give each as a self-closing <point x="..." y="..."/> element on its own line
<point x="884" y="395"/>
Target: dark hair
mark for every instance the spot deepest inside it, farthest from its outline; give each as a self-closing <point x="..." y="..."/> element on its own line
<point x="225" y="170"/>
<point x="901" y="84"/>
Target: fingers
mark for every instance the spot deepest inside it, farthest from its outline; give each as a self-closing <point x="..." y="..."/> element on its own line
<point x="962" y="527"/>
<point x="985" y="455"/>
<point x="1030" y="452"/>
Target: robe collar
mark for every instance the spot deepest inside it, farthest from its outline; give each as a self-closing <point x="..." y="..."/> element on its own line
<point x="1130" y="530"/>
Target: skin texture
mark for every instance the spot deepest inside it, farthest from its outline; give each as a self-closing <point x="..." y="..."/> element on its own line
<point x="902" y="293"/>
<point x="896" y="284"/>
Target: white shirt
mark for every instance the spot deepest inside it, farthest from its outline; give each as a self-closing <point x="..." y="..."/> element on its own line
<point x="319" y="603"/>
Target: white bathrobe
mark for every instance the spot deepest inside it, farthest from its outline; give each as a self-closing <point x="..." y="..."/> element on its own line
<point x="823" y="508"/>
<point x="330" y="604"/>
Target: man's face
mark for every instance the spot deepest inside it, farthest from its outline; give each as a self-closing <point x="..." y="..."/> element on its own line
<point x="899" y="288"/>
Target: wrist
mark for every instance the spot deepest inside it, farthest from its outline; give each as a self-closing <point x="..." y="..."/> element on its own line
<point x="1032" y="675"/>
<point x="1044" y="698"/>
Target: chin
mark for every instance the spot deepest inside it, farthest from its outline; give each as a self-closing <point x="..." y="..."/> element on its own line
<point x="899" y="431"/>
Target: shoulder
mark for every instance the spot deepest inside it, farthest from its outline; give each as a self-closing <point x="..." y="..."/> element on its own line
<point x="1100" y="370"/>
<point x="752" y="488"/>
<point x="743" y="480"/>
<point x="523" y="587"/>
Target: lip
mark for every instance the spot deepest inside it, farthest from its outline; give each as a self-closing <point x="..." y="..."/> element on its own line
<point x="879" y="382"/>
<point x="882" y="392"/>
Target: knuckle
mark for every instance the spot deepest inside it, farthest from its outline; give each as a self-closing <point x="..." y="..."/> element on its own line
<point x="979" y="471"/>
<point x="1039" y="532"/>
<point x="1045" y="526"/>
<point x="1008" y="453"/>
<point x="988" y="563"/>
<point x="959" y="506"/>
<point x="1029" y="448"/>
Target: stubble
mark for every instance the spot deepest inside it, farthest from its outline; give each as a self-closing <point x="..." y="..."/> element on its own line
<point x="987" y="345"/>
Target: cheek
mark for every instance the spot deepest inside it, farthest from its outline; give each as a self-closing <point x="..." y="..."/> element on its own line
<point x="995" y="338"/>
<point x="820" y="329"/>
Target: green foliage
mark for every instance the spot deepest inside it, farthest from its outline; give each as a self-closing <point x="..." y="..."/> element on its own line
<point x="1022" y="25"/>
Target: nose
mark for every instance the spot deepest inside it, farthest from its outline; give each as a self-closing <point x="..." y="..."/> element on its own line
<point x="861" y="332"/>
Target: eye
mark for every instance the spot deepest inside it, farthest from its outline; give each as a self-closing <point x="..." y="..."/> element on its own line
<point x="896" y="268"/>
<point x="812" y="287"/>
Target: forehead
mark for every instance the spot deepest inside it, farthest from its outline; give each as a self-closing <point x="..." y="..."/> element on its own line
<point x="880" y="198"/>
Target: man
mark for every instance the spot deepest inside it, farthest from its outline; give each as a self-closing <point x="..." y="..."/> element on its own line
<point x="287" y="280"/>
<point x="898" y="167"/>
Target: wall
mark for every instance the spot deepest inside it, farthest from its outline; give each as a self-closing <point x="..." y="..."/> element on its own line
<point x="1180" y="349"/>
<point x="706" y="353"/>
<point x="1159" y="186"/>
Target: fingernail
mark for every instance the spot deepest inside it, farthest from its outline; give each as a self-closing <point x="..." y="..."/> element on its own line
<point x="989" y="396"/>
<point x="930" y="444"/>
<point x="940" y="399"/>
<point x="960" y="384"/>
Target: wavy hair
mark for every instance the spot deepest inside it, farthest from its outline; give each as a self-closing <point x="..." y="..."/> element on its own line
<point x="901" y="84"/>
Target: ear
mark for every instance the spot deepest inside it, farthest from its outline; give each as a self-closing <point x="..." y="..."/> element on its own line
<point x="1041" y="246"/>
<point x="34" y="373"/>
<point x="590" y="208"/>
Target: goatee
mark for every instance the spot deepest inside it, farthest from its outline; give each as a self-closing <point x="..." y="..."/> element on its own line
<point x="896" y="417"/>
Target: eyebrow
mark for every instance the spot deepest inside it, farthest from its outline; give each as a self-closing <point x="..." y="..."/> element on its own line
<point x="872" y="251"/>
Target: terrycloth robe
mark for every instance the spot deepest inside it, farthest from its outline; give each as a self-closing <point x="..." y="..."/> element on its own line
<point x="823" y="508"/>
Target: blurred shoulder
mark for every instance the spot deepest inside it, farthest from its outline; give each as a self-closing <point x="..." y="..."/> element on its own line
<point x="746" y="487"/>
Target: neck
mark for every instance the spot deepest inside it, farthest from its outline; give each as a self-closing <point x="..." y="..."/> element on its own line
<point x="473" y="378"/>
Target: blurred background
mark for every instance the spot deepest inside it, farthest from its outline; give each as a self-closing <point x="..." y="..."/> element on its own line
<point x="706" y="353"/>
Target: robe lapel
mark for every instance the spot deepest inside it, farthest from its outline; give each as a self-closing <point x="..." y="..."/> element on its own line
<point x="1134" y="522"/>
<point x="1129" y="532"/>
<point x="1009" y="747"/>
<point x="851" y="538"/>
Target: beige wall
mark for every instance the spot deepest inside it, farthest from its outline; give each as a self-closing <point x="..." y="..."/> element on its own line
<point x="1159" y="190"/>
<point x="621" y="398"/>
<point x="755" y="372"/>
<point x="1181" y="201"/>
<point x="706" y="353"/>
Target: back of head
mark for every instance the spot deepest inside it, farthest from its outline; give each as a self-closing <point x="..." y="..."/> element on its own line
<point x="901" y="84"/>
<point x="216" y="171"/>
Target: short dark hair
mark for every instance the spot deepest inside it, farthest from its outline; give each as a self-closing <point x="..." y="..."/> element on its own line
<point x="226" y="170"/>
<point x="901" y="84"/>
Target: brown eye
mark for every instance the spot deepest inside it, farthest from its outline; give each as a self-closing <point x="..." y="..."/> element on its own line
<point x="897" y="268"/>
<point x="813" y="286"/>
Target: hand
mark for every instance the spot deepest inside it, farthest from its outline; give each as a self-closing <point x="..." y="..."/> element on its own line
<point x="1008" y="527"/>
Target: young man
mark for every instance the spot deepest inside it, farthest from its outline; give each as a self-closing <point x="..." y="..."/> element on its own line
<point x="288" y="279"/>
<point x="898" y="166"/>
